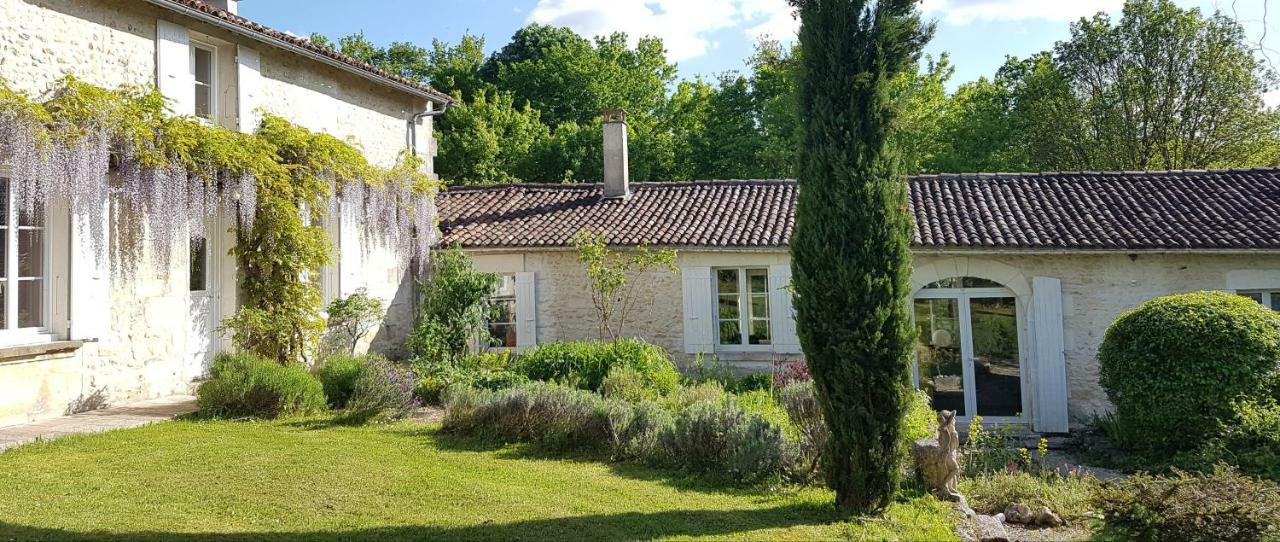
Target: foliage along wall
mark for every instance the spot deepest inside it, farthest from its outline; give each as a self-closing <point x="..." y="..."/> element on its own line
<point x="173" y="173"/>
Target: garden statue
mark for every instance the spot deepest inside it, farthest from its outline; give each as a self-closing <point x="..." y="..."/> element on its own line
<point x="938" y="461"/>
<point x="949" y="444"/>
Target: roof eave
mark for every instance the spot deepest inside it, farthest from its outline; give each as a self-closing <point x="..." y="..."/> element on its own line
<point x="433" y="97"/>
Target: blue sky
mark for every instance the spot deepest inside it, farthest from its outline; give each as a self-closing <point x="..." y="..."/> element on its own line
<point x="707" y="37"/>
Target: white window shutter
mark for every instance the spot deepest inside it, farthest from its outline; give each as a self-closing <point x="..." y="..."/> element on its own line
<point x="699" y="335"/>
<point x="89" y="281"/>
<point x="526" y="310"/>
<point x="1049" y="361"/>
<point x="174" y="76"/>
<point x="248" y="88"/>
<point x="782" y="314"/>
<point x="350" y="252"/>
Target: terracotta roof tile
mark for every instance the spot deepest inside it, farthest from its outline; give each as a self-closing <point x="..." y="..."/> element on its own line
<point x="1222" y="209"/>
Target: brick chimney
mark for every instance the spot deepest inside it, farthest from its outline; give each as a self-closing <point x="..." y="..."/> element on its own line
<point x="228" y="6"/>
<point x="616" y="170"/>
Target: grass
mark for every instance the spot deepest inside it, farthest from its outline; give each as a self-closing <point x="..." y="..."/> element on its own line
<point x="311" y="480"/>
<point x="1068" y="496"/>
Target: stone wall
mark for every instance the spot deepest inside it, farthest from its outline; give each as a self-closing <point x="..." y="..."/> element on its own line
<point x="110" y="43"/>
<point x="1096" y="289"/>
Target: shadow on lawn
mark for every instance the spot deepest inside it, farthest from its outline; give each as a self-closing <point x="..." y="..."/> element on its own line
<point x="623" y="526"/>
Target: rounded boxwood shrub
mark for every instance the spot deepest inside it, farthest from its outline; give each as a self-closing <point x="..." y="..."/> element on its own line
<point x="585" y="364"/>
<point x="246" y="385"/>
<point x="1174" y="365"/>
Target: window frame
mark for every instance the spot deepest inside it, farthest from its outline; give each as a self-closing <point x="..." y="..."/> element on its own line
<point x="514" y="298"/>
<point x="11" y="334"/>
<point x="745" y="310"/>
<point x="213" y="79"/>
<point x="963" y="296"/>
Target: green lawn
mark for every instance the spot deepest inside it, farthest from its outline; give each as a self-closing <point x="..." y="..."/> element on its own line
<point x="192" y="480"/>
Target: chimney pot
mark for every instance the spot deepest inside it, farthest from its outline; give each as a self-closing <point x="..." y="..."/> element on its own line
<point x="228" y="6"/>
<point x="616" y="169"/>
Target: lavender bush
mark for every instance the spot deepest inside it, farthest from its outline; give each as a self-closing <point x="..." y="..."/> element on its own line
<point x="383" y="391"/>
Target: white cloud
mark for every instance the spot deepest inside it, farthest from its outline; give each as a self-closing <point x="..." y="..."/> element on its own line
<point x="960" y="12"/>
<point x="685" y="26"/>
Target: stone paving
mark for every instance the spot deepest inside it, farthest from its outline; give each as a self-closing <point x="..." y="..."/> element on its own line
<point x="94" y="421"/>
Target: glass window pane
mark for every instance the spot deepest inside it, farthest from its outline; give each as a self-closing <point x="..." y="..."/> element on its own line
<point x="1275" y="300"/>
<point x="502" y="335"/>
<point x="199" y="265"/>
<point x="204" y="66"/>
<point x="4" y="202"/>
<point x="1256" y="296"/>
<point x="760" y="306"/>
<point x="759" y="332"/>
<point x="727" y="281"/>
<point x="4" y="255"/>
<point x="506" y="286"/>
<point x="33" y="217"/>
<point x="30" y="253"/>
<point x="4" y="313"/>
<point x="729" y="332"/>
<point x="759" y="280"/>
<point x="202" y="102"/>
<point x="997" y="375"/>
<point x="938" y="353"/>
<point x="728" y="307"/>
<point x="31" y="303"/>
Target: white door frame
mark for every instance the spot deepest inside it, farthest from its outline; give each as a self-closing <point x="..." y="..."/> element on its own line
<point x="969" y="380"/>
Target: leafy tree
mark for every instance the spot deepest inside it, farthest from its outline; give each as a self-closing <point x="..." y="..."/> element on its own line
<point x="351" y="318"/>
<point x="921" y="98"/>
<point x="489" y="140"/>
<point x="1163" y="87"/>
<point x="613" y="275"/>
<point x="456" y="68"/>
<point x="850" y="252"/>
<point x="455" y="304"/>
<point x="774" y="89"/>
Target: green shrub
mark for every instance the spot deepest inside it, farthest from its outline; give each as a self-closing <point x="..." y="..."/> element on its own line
<point x="802" y="408"/>
<point x="453" y="308"/>
<point x="752" y="382"/>
<point x="635" y="431"/>
<point x="720" y="439"/>
<point x="550" y="415"/>
<point x="1069" y="495"/>
<point x="1174" y="365"/>
<point x="921" y="421"/>
<point x="338" y="376"/>
<point x="485" y="371"/>
<point x="1223" y="505"/>
<point x="687" y="396"/>
<point x="382" y="391"/>
<point x="988" y="450"/>
<point x="245" y="385"/>
<point x="763" y="403"/>
<point x="585" y="363"/>
<point x="626" y="384"/>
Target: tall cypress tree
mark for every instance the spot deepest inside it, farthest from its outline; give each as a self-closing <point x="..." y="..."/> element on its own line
<point x="851" y="257"/>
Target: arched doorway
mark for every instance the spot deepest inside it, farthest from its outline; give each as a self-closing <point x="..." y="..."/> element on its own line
<point x="967" y="353"/>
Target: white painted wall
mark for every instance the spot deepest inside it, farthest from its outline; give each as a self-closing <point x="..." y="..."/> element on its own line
<point x="110" y="43"/>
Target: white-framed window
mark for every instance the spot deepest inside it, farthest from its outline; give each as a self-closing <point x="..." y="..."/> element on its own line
<point x="742" y="307"/>
<point x="1268" y="298"/>
<point x="198" y="270"/>
<point x="967" y="353"/>
<point x="501" y="323"/>
<point x="204" y="72"/>
<point x="24" y="270"/>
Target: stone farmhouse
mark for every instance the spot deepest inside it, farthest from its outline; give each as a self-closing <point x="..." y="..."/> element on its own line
<point x="71" y="331"/>
<point x="1016" y="276"/>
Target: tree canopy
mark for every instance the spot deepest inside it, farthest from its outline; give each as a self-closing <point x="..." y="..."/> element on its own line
<point x="1158" y="87"/>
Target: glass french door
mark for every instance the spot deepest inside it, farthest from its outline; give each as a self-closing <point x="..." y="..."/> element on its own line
<point x="967" y="356"/>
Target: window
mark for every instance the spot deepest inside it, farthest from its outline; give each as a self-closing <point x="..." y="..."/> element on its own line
<point x="23" y="265"/>
<point x="967" y="357"/>
<point x="202" y="68"/>
<point x="199" y="268"/>
<point x="1268" y="298"/>
<point x="502" y="319"/>
<point x="742" y="305"/>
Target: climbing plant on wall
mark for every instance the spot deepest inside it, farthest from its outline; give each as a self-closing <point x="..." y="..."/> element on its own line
<point x="174" y="173"/>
